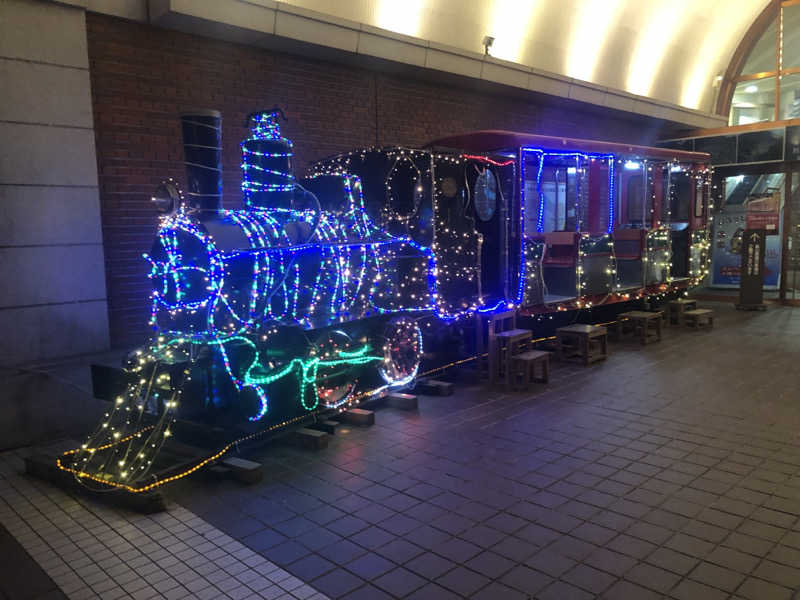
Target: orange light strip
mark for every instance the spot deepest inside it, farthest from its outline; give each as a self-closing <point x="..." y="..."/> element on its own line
<point x="225" y="449"/>
<point x="160" y="482"/>
<point x="201" y="464"/>
<point x="109" y="445"/>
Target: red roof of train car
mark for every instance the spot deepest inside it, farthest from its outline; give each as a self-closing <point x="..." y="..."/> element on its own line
<point x="488" y="140"/>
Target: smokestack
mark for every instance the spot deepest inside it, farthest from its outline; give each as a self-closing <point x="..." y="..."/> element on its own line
<point x="267" y="178"/>
<point x="202" y="149"/>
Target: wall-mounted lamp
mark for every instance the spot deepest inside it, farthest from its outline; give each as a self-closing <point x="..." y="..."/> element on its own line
<point x="487" y="43"/>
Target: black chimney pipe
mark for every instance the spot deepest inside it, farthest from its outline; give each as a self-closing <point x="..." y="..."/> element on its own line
<point x="202" y="149"/>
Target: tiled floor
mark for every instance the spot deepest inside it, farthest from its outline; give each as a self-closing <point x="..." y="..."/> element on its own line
<point x="671" y="470"/>
<point x="92" y="551"/>
<point x="16" y="567"/>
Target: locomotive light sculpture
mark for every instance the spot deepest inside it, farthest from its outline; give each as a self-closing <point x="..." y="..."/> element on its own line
<point x="314" y="296"/>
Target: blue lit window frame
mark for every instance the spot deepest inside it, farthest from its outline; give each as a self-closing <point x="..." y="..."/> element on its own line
<point x="542" y="154"/>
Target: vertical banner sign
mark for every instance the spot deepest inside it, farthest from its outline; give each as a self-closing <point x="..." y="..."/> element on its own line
<point x="751" y="287"/>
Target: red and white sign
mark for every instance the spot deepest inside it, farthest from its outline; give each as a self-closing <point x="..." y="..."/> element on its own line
<point x="763" y="213"/>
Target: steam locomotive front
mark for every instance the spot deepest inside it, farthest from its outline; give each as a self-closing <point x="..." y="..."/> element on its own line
<point x="251" y="285"/>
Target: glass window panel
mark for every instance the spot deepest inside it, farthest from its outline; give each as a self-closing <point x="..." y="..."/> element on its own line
<point x="698" y="198"/>
<point x="753" y="101"/>
<point x="559" y="188"/>
<point x="681" y="194"/>
<point x="761" y="146"/>
<point x="637" y="195"/>
<point x="791" y="37"/>
<point x="747" y="200"/>
<point x="722" y="148"/>
<point x="560" y="197"/>
<point x="792" y="151"/>
<point x="762" y="57"/>
<point x="790" y="96"/>
<point x="679" y="144"/>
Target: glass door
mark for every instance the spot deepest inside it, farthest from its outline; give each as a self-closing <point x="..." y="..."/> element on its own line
<point x="751" y="201"/>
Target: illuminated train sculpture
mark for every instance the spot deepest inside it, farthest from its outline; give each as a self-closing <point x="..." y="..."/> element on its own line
<point x="316" y="294"/>
<point x="248" y="284"/>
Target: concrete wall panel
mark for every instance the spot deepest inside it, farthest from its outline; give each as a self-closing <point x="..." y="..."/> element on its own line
<point x="44" y="155"/>
<point x="49" y="274"/>
<point x="316" y="32"/>
<point x="453" y="63"/>
<point x="127" y="9"/>
<point x="39" y="93"/>
<point x="44" y="32"/>
<point x="391" y="49"/>
<point x="505" y="75"/>
<point x="51" y="254"/>
<point x="32" y="215"/>
<point x="52" y="331"/>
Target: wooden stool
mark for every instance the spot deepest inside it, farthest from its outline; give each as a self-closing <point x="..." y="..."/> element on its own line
<point x="524" y="365"/>
<point x="700" y="317"/>
<point x="677" y="308"/>
<point x="504" y="340"/>
<point x="587" y="342"/>
<point x="507" y="345"/>
<point x="616" y="330"/>
<point x="646" y="324"/>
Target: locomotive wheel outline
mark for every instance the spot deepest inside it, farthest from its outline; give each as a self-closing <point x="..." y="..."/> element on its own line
<point x="402" y="351"/>
<point x="327" y="347"/>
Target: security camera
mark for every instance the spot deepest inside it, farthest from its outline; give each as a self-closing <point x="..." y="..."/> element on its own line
<point x="487" y="43"/>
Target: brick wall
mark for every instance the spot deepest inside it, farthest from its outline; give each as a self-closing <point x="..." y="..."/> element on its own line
<point x="143" y="76"/>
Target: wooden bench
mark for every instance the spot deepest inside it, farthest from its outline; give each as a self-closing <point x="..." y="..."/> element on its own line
<point x="647" y="325"/>
<point x="523" y="366"/>
<point x="243" y="470"/>
<point x="589" y="343"/>
<point x="699" y="318"/>
<point x="677" y="309"/>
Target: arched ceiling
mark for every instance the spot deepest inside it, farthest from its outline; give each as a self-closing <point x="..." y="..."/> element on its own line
<point x="670" y="50"/>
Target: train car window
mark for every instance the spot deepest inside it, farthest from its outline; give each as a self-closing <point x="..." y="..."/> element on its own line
<point x="559" y="192"/>
<point x="597" y="207"/>
<point x="404" y="189"/>
<point x="635" y="200"/>
<point x="665" y="198"/>
<point x="698" y="198"/>
<point x="680" y="196"/>
<point x="556" y="195"/>
<point x="485" y="195"/>
<point x="638" y="198"/>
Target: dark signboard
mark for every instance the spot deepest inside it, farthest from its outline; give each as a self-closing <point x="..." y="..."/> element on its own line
<point x="751" y="283"/>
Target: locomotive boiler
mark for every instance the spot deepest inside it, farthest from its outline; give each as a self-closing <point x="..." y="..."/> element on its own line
<point x="300" y="284"/>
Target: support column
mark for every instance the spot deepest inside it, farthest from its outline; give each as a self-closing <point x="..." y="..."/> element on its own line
<point x="51" y="253"/>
